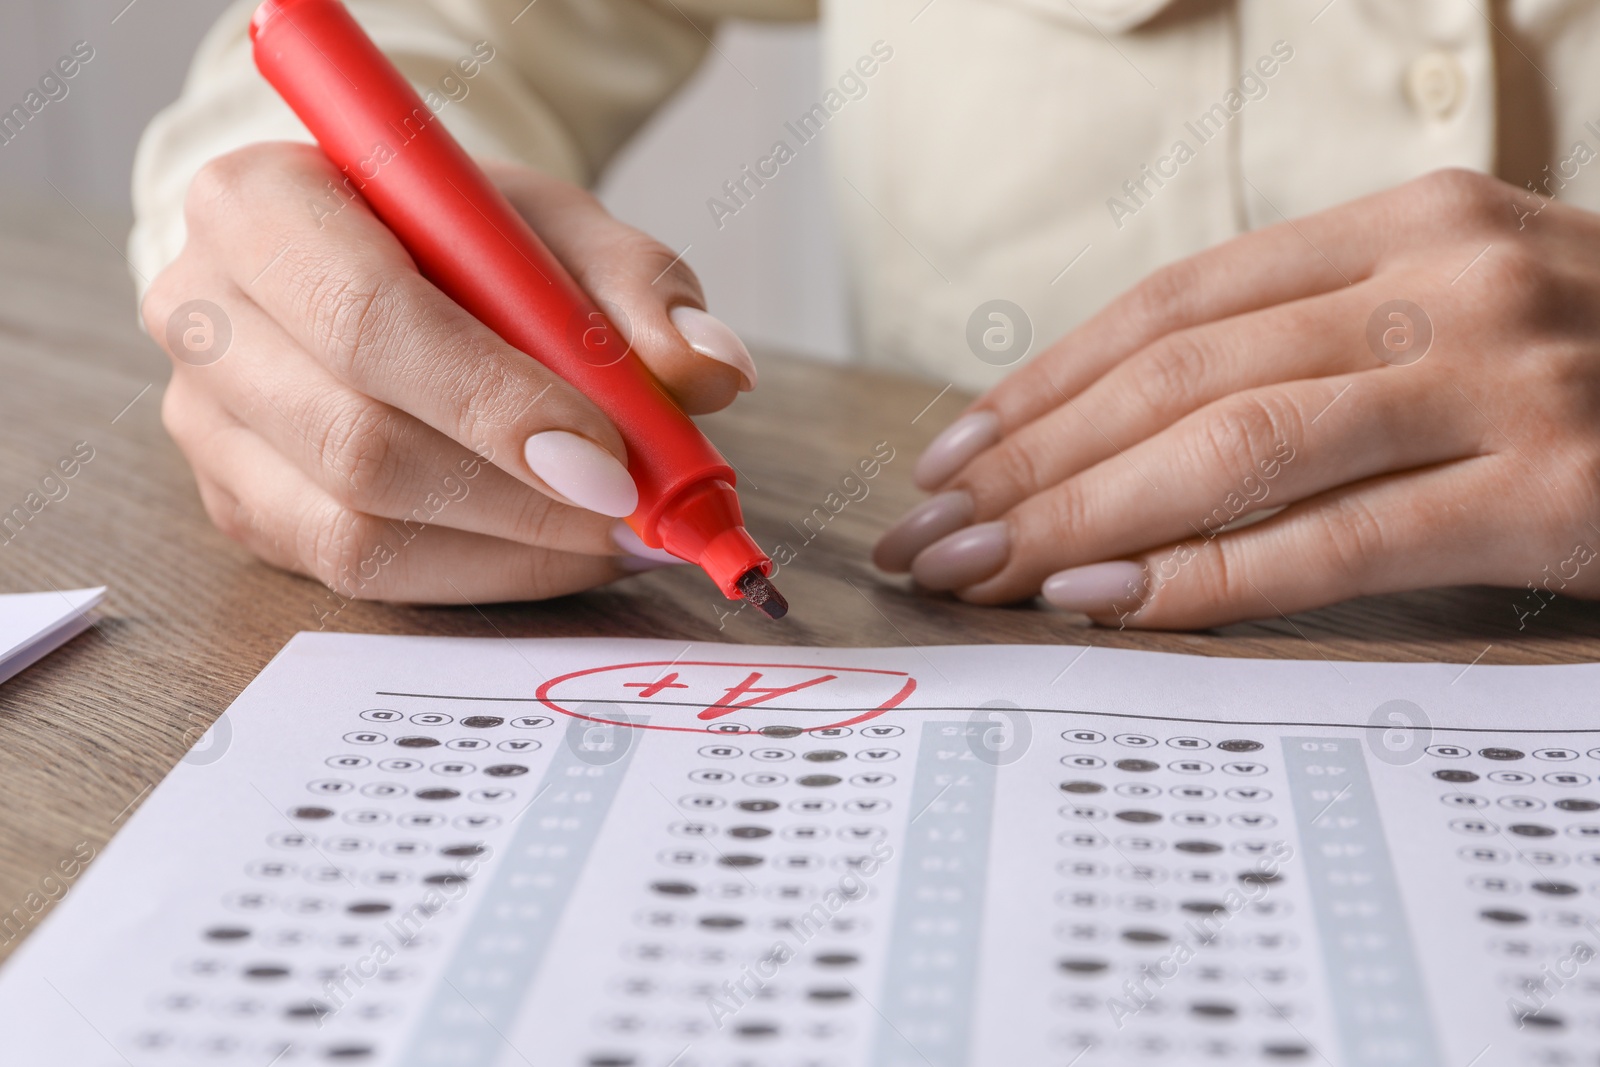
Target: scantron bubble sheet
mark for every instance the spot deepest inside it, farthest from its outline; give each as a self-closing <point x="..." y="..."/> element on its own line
<point x="430" y="852"/>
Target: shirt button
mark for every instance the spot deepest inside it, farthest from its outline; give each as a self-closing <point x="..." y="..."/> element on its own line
<point x="1436" y="83"/>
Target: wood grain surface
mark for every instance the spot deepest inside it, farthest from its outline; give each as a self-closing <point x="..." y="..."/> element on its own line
<point x="191" y="617"/>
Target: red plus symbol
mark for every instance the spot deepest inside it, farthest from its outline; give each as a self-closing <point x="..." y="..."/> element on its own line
<point x="650" y="689"/>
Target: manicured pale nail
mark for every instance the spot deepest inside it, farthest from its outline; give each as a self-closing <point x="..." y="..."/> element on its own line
<point x="638" y="555"/>
<point x="955" y="447"/>
<point x="963" y="558"/>
<point x="582" y="472"/>
<point x="1096" y="589"/>
<point x="712" y="338"/>
<point x="920" y="527"/>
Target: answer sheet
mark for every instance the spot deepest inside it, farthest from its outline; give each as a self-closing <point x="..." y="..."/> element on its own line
<point x="423" y="852"/>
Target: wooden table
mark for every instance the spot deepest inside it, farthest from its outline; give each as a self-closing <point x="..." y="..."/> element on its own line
<point x="191" y="617"/>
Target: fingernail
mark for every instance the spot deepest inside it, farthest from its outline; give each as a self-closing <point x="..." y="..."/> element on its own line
<point x="582" y="472"/>
<point x="920" y="527"/>
<point x="1096" y="589"/>
<point x="963" y="558"/>
<point x="712" y="338"/>
<point x="954" y="447"/>
<point x="639" y="556"/>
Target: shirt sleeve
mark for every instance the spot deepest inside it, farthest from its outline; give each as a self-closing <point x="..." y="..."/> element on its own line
<point x="557" y="84"/>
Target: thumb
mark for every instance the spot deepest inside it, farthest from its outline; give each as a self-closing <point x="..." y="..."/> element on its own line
<point x="644" y="287"/>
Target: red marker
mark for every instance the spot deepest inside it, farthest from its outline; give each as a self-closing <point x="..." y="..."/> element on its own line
<point x="469" y="241"/>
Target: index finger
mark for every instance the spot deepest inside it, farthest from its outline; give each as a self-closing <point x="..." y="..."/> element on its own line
<point x="1289" y="261"/>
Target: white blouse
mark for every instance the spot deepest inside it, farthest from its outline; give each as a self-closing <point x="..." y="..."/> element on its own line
<point x="1048" y="153"/>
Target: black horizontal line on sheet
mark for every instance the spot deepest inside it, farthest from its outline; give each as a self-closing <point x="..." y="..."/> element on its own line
<point x="1037" y="711"/>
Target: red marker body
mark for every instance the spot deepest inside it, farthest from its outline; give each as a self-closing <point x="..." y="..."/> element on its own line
<point x="469" y="241"/>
